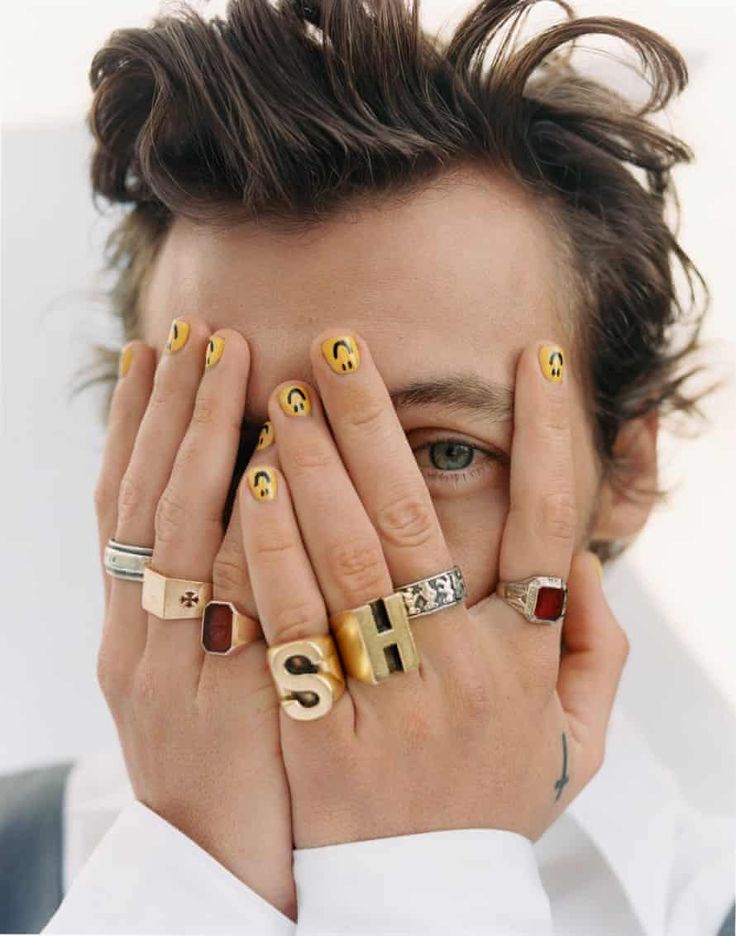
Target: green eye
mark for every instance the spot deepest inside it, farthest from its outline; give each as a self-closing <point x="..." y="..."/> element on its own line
<point x="450" y="455"/>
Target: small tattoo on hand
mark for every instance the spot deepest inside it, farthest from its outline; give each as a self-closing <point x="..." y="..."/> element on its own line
<point x="563" y="779"/>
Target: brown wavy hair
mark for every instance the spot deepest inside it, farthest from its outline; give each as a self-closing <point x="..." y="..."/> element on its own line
<point x="285" y="110"/>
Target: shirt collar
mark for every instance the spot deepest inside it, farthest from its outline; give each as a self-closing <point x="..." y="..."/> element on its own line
<point x="631" y="809"/>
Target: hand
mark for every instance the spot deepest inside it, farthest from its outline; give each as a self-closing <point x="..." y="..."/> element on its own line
<point x="494" y="730"/>
<point x="199" y="733"/>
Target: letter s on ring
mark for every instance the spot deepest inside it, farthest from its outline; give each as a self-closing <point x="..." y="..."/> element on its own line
<point x="308" y="676"/>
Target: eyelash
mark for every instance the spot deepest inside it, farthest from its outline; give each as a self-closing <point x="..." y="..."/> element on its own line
<point x="463" y="475"/>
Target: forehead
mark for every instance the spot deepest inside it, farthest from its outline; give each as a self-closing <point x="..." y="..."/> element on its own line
<point x="457" y="277"/>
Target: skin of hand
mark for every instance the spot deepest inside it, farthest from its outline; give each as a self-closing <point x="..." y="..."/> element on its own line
<point x="199" y="733"/>
<point x="430" y="312"/>
<point x="495" y="729"/>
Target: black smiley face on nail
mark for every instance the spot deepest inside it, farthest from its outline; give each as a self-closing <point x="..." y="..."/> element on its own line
<point x="262" y="484"/>
<point x="555" y="363"/>
<point x="264" y="436"/>
<point x="296" y="399"/>
<point x="343" y="354"/>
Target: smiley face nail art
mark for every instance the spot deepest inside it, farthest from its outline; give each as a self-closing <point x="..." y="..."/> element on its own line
<point x="262" y="483"/>
<point x="552" y="362"/>
<point x="178" y="336"/>
<point x="215" y="347"/>
<point x="294" y="400"/>
<point x="342" y="354"/>
<point x="265" y="436"/>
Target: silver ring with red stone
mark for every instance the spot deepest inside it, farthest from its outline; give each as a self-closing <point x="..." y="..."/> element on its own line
<point x="542" y="599"/>
<point x="224" y="628"/>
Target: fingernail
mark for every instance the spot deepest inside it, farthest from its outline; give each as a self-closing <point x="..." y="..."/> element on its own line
<point x="126" y="359"/>
<point x="341" y="354"/>
<point x="552" y="362"/>
<point x="262" y="483"/>
<point x="599" y="567"/>
<point x="294" y="400"/>
<point x="265" y="436"/>
<point x="178" y="335"/>
<point x="215" y="347"/>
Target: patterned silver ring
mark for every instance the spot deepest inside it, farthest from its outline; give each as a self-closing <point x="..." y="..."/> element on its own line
<point x="124" y="561"/>
<point x="433" y="593"/>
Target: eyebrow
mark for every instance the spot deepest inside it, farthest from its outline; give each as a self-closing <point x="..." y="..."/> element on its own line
<point x="465" y="392"/>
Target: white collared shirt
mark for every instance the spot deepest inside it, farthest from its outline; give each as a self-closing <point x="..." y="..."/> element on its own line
<point x="646" y="849"/>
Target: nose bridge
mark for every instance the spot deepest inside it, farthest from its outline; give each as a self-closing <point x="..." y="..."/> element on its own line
<point x="274" y="362"/>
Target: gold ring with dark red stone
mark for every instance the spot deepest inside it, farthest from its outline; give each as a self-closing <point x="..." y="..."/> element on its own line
<point x="542" y="599"/>
<point x="225" y="629"/>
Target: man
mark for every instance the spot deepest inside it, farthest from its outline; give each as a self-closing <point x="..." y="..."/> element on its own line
<point x="431" y="287"/>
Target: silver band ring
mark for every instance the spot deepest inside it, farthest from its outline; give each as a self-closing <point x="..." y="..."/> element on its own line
<point x="124" y="561"/>
<point x="430" y="594"/>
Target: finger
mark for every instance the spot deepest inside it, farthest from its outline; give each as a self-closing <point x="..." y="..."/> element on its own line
<point x="130" y="396"/>
<point x="340" y="540"/>
<point x="159" y="436"/>
<point x="188" y="519"/>
<point x="596" y="651"/>
<point x="231" y="582"/>
<point x="539" y="533"/>
<point x="287" y="593"/>
<point x="383" y="469"/>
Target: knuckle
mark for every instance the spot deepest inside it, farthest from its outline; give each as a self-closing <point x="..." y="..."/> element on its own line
<point x="276" y="548"/>
<point x="170" y="516"/>
<point x="363" y="416"/>
<point x="360" y="567"/>
<point x="229" y="572"/>
<point x="406" y="521"/>
<point x="297" y="621"/>
<point x="205" y="411"/>
<point x="553" y="421"/>
<point x="307" y="458"/>
<point x="557" y="516"/>
<point x="132" y="499"/>
<point x="161" y="394"/>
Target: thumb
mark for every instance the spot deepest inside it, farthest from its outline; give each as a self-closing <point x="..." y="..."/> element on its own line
<point x="596" y="649"/>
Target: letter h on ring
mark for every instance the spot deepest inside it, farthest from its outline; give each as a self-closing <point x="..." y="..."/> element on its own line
<point x="376" y="640"/>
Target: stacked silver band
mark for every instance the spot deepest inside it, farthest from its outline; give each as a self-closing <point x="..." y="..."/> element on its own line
<point x="126" y="562"/>
<point x="433" y="593"/>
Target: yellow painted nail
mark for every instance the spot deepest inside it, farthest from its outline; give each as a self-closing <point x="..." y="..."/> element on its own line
<point x="265" y="436"/>
<point x="294" y="400"/>
<point x="126" y="359"/>
<point x="178" y="335"/>
<point x="342" y="354"/>
<point x="262" y="483"/>
<point x="215" y="347"/>
<point x="552" y="362"/>
<point x="599" y="567"/>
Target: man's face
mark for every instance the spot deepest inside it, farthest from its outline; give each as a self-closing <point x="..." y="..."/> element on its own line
<point x="452" y="282"/>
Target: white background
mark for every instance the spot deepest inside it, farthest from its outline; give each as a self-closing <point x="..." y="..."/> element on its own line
<point x="52" y="239"/>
